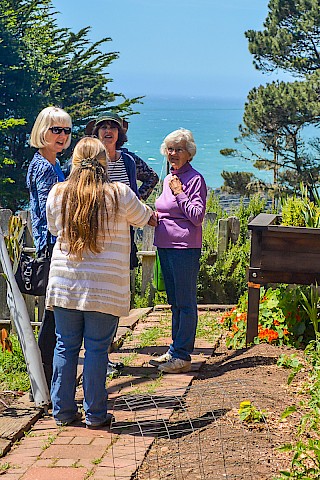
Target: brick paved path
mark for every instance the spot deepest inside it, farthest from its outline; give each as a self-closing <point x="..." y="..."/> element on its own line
<point x="48" y="452"/>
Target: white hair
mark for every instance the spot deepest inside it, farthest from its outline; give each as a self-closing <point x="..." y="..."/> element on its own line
<point x="176" y="137"/>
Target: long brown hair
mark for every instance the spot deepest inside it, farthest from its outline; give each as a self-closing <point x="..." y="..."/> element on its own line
<point x="86" y="194"/>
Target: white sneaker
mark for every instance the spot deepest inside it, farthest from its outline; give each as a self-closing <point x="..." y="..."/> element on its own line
<point x="175" y="365"/>
<point x="156" y="361"/>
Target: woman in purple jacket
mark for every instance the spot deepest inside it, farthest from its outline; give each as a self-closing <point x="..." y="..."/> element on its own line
<point x="178" y="238"/>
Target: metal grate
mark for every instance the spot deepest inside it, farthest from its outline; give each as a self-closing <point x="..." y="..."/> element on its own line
<point x="192" y="433"/>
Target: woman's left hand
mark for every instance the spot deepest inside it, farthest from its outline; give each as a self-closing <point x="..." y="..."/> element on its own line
<point x="153" y="220"/>
<point x="175" y="185"/>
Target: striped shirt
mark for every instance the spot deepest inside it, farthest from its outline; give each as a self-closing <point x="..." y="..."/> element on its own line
<point x="99" y="282"/>
<point x="117" y="172"/>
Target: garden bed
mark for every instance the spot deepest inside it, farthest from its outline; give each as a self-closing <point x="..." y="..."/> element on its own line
<point x="230" y="449"/>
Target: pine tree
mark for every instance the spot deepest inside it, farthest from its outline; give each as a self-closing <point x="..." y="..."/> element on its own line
<point x="41" y="65"/>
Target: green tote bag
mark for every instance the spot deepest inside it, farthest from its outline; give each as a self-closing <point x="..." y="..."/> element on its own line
<point x="158" y="281"/>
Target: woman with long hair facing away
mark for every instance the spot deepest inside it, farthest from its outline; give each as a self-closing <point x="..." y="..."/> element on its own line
<point x="89" y="282"/>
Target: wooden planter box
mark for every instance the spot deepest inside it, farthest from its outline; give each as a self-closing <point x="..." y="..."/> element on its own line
<point x="279" y="254"/>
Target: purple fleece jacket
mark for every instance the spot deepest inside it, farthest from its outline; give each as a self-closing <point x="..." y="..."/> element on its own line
<point x="181" y="216"/>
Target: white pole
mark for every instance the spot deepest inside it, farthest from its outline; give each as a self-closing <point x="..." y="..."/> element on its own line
<point x="20" y="317"/>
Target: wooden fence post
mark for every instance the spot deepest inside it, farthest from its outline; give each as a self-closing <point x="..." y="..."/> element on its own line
<point x="223" y="236"/>
<point x="147" y="255"/>
<point x="5" y="215"/>
<point x="233" y="229"/>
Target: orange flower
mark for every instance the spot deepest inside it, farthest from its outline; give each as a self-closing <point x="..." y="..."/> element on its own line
<point x="272" y="336"/>
<point x="276" y="323"/>
<point x="268" y="334"/>
<point x="285" y="331"/>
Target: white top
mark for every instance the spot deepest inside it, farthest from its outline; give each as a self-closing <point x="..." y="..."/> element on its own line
<point x="99" y="282"/>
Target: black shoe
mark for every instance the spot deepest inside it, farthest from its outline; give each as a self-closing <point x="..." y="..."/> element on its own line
<point x="110" y="418"/>
<point x="116" y="365"/>
<point x="76" y="418"/>
<point x="31" y="399"/>
<point x="112" y="372"/>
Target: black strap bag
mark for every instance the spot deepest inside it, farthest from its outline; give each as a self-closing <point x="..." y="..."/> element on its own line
<point x="33" y="272"/>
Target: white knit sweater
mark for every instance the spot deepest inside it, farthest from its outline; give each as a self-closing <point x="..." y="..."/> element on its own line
<point x="99" y="282"/>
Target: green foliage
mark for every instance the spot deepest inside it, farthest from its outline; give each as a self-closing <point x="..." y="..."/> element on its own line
<point x="244" y="212"/>
<point x="13" y="370"/>
<point x="14" y="240"/>
<point x="224" y="280"/>
<point x="311" y="306"/>
<point x="305" y="463"/>
<point x="237" y="182"/>
<point x="143" y="301"/>
<point x="288" y="411"/>
<point x="150" y="336"/>
<point x="4" y="467"/>
<point x="208" y="327"/>
<point x="292" y="212"/>
<point x="43" y="64"/>
<point x="290" y="39"/>
<point x="282" y="320"/>
<point x="301" y="211"/>
<point x="289" y="361"/>
<point x="209" y="240"/>
<point x="250" y="414"/>
<point x="213" y="206"/>
<point x="276" y="113"/>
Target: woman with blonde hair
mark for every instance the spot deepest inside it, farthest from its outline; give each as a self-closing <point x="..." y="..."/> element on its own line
<point x="50" y="135"/>
<point x="89" y="277"/>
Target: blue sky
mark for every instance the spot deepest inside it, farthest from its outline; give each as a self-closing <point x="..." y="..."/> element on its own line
<point x="174" y="47"/>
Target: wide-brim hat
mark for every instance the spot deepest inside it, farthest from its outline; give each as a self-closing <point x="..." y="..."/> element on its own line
<point x="103" y="117"/>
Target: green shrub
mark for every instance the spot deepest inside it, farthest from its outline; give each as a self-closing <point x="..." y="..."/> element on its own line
<point x="282" y="319"/>
<point x="292" y="212"/>
<point x="305" y="463"/>
<point x="13" y="370"/>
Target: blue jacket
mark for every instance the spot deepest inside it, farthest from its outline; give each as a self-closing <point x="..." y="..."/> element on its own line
<point x="145" y="174"/>
<point x="131" y="171"/>
<point x="41" y="176"/>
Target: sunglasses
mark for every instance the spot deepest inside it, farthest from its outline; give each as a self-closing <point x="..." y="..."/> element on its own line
<point x="58" y="130"/>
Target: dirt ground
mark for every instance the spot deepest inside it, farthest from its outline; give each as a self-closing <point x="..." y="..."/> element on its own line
<point x="205" y="439"/>
<point x="208" y="441"/>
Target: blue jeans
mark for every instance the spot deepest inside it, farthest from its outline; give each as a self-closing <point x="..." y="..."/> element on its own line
<point x="180" y="269"/>
<point x="97" y="330"/>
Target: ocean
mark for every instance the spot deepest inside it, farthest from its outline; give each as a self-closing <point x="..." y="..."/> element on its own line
<point x="213" y="122"/>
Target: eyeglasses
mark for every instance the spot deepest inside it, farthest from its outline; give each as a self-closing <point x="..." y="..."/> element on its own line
<point x="177" y="150"/>
<point x="58" y="130"/>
